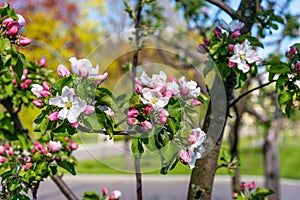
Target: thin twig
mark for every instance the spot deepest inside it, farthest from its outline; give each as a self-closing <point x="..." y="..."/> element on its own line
<point x="248" y="92"/>
<point x="224" y="7"/>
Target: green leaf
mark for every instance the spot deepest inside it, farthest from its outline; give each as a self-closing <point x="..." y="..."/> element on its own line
<point x="24" y="141"/>
<point x="280" y="83"/>
<point x="253" y="40"/>
<point x="104" y="97"/>
<point x="69" y="166"/>
<point x="280" y="68"/>
<point x="90" y="195"/>
<point x="169" y="155"/>
<point x="137" y="147"/>
<point x="41" y="169"/>
<point x="135" y="100"/>
<point x="261" y="193"/>
<point x="215" y="48"/>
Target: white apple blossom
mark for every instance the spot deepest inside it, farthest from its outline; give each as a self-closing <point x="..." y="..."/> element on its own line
<point x="154" y="98"/>
<point x="36" y="89"/>
<point x="196" y="149"/>
<point x="232" y="26"/>
<point x="54" y="146"/>
<point x="72" y="106"/>
<point x="189" y="89"/>
<point x="244" y="55"/>
<point x="83" y="67"/>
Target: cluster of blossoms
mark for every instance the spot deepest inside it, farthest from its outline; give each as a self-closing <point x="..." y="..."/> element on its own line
<point x="155" y="93"/>
<point x="25" y="82"/>
<point x="195" y="148"/>
<point x="68" y="105"/>
<point x="114" y="195"/>
<point x="238" y="52"/>
<point x="12" y="29"/>
<point x="5" y="152"/>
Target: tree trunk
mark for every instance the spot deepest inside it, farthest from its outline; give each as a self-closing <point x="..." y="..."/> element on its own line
<point x="271" y="158"/>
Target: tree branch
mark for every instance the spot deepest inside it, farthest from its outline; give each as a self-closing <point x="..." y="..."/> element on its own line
<point x="224" y="7"/>
<point x="64" y="188"/>
<point x="87" y="130"/>
<point x="248" y="92"/>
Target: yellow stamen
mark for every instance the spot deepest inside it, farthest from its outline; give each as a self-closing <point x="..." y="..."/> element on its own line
<point x="153" y="100"/>
<point x="242" y="56"/>
<point x="68" y="105"/>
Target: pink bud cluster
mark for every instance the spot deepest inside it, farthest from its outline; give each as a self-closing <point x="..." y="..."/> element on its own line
<point x="245" y="190"/>
<point x="114" y="195"/>
<point x="5" y="151"/>
<point x="13" y="30"/>
<point x="40" y="91"/>
<point x="25" y="82"/>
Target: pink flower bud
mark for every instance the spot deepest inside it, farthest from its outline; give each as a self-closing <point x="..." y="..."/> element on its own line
<point x="202" y="48"/>
<point x="243" y="186"/>
<point x="231" y="64"/>
<point x="74" y="124"/>
<point x="102" y="78"/>
<point x="10" y="152"/>
<point x="104" y="191"/>
<point x="195" y="102"/>
<point x="37" y="103"/>
<point x="25" y="71"/>
<point x="24" y="85"/>
<point x="236" y="34"/>
<point x="53" y="116"/>
<point x="89" y="109"/>
<point x="185" y="157"/>
<point x="297" y="67"/>
<point x="67" y="139"/>
<point x="218" y="32"/>
<point x="63" y="71"/>
<point x="45" y="93"/>
<point x="146" y="125"/>
<point x="251" y="185"/>
<point x="23" y="77"/>
<point x="231" y="48"/>
<point x="46" y="86"/>
<point x="132" y="120"/>
<point x="44" y="152"/>
<point x="138" y="89"/>
<point x="7" y="146"/>
<point x="57" y="158"/>
<point x="73" y="145"/>
<point x="2" y="150"/>
<point x="54" y="146"/>
<point x="2" y="159"/>
<point x="172" y="79"/>
<point x="147" y="110"/>
<point x="206" y="41"/>
<point x="132" y="113"/>
<point x="293" y="50"/>
<point x="295" y="104"/>
<point x="27" y="166"/>
<point x="25" y="41"/>
<point x="115" y="195"/>
<point x="8" y="22"/>
<point x="28" y="81"/>
<point x="168" y="94"/>
<point x="43" y="61"/>
<point x="14" y="81"/>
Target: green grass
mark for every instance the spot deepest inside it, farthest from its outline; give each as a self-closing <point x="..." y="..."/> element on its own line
<point x="251" y="160"/>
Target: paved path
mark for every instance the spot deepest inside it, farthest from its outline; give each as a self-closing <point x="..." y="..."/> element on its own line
<point x="171" y="187"/>
<point x="155" y="187"/>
